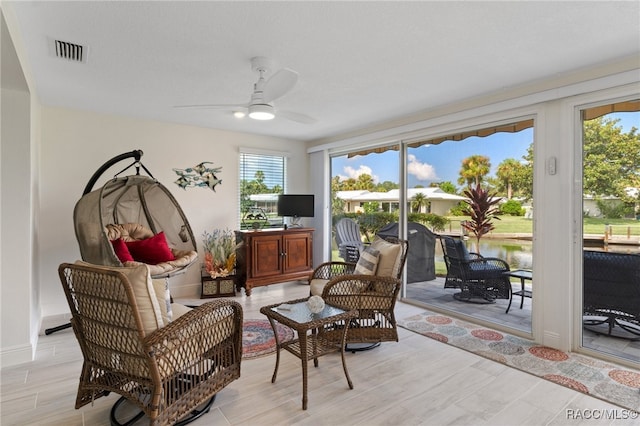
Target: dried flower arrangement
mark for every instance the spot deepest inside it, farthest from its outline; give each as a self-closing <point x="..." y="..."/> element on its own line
<point x="220" y="252"/>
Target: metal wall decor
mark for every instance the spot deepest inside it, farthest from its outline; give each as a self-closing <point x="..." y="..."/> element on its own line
<point x="198" y="176"/>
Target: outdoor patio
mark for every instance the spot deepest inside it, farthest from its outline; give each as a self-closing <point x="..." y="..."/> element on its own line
<point x="434" y="294"/>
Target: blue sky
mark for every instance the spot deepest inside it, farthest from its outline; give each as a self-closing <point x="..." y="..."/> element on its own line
<point x="438" y="163"/>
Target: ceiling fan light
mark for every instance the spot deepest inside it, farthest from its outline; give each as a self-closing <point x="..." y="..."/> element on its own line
<point x="261" y="112"/>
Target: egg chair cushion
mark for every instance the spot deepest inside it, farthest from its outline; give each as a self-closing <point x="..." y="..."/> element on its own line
<point x="131" y="232"/>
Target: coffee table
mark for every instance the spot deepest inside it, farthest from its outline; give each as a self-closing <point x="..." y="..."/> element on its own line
<point x="523" y="274"/>
<point x="317" y="334"/>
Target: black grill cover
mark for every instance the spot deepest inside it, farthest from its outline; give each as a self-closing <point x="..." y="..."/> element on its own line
<point x="421" y="265"/>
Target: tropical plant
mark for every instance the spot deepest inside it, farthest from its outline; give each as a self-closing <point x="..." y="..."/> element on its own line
<point x="506" y="174"/>
<point x="474" y="168"/>
<point x="483" y="210"/>
<point x="220" y="252"/>
<point x="419" y="200"/>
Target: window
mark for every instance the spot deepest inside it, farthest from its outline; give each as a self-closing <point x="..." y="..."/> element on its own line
<point x="262" y="178"/>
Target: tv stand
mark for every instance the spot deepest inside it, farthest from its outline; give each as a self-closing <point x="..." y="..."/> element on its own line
<point x="273" y="256"/>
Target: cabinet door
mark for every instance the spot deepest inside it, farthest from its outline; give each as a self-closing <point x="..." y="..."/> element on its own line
<point x="297" y="248"/>
<point x="267" y="255"/>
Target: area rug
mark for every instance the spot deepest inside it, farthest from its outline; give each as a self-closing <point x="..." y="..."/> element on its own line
<point x="615" y="384"/>
<point x="258" y="339"/>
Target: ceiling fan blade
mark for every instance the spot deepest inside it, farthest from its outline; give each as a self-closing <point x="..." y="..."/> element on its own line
<point x="279" y="84"/>
<point x="294" y="116"/>
<point x="212" y="106"/>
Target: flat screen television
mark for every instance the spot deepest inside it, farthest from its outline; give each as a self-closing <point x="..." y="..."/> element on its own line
<point x="295" y="205"/>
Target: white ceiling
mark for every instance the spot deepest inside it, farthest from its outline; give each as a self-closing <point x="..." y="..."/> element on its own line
<point x="360" y="63"/>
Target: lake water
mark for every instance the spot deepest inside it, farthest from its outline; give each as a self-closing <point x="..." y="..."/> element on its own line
<point x="517" y="253"/>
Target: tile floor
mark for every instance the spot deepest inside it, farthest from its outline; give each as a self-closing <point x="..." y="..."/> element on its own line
<point x="417" y="381"/>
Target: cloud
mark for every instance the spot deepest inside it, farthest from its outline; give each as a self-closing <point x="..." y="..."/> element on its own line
<point x="421" y="171"/>
<point x="361" y="170"/>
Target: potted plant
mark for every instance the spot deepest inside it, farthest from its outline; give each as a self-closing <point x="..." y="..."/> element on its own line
<point x="220" y="252"/>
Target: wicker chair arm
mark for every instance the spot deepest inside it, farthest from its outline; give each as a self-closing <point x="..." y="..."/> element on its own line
<point x="329" y="270"/>
<point x="211" y="332"/>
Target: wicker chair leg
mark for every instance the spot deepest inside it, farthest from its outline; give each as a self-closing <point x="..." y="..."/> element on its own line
<point x="194" y="415"/>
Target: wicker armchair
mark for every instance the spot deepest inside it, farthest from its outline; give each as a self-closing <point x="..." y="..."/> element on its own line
<point x="374" y="296"/>
<point x="169" y="369"/>
<point x="480" y="279"/>
<point x="611" y="293"/>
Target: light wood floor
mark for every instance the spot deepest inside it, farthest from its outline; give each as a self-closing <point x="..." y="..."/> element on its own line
<point x="417" y="381"/>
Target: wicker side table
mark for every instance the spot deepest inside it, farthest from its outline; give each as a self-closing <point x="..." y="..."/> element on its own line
<point x="313" y="340"/>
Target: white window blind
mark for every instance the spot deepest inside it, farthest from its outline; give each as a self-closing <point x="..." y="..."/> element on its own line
<point x="262" y="178"/>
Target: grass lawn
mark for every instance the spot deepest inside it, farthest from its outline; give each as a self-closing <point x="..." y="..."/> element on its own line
<point x="592" y="225"/>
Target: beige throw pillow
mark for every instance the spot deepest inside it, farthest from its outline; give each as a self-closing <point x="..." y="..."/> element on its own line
<point x="389" y="260"/>
<point x="143" y="290"/>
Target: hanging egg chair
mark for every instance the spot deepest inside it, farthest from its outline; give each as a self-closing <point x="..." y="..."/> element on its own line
<point x="133" y="219"/>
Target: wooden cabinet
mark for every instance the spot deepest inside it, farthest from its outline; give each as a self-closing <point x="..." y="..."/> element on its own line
<point x="273" y="256"/>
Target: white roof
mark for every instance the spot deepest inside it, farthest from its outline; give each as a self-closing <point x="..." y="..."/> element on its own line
<point x="394" y="195"/>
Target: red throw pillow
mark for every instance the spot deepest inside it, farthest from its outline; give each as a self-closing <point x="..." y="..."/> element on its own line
<point x="120" y="247"/>
<point x="153" y="250"/>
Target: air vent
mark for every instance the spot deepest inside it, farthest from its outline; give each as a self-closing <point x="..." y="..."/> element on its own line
<point x="70" y="51"/>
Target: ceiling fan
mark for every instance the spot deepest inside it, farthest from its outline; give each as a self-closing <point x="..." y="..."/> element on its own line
<point x="260" y="107"/>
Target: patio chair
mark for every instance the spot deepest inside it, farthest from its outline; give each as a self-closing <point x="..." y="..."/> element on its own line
<point x="611" y="293"/>
<point x="349" y="240"/>
<point x="371" y="286"/>
<point x="169" y="368"/>
<point x="480" y="279"/>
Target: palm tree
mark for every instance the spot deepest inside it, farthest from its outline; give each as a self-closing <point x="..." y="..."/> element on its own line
<point x="506" y="172"/>
<point x="418" y="201"/>
<point x="474" y="169"/>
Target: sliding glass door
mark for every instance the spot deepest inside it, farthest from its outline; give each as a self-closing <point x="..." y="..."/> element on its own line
<point x="611" y="229"/>
<point x="444" y="175"/>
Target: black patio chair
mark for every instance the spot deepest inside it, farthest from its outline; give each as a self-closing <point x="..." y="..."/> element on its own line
<point x="611" y="293"/>
<point x="480" y="279"/>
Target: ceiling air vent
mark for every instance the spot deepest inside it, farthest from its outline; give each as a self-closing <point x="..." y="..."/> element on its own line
<point x="70" y="51"/>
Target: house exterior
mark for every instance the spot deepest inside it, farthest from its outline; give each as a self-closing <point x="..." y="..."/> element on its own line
<point x="438" y="201"/>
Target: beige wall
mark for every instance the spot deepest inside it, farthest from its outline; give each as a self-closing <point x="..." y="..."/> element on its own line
<point x="76" y="143"/>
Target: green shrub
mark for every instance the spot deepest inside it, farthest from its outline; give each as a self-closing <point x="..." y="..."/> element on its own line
<point x="462" y="209"/>
<point x="430" y="220"/>
<point x="611" y="209"/>
<point x="512" y="208"/>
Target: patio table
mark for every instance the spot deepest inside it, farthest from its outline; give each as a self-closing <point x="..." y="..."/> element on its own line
<point x="523" y="274"/>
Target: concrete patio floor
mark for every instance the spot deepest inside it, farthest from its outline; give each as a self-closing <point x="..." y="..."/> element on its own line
<point x="432" y="294"/>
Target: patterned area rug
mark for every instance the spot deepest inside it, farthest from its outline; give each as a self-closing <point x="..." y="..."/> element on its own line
<point x="258" y="339"/>
<point x="612" y="383"/>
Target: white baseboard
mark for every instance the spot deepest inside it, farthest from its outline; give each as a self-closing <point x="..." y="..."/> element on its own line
<point x="16" y="355"/>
